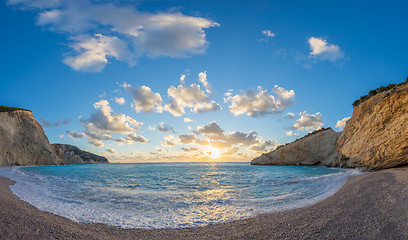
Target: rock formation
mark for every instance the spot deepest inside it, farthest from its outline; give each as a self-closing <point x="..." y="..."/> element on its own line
<point x="318" y="148"/>
<point x="70" y="154"/>
<point x="23" y="141"/>
<point x="376" y="136"/>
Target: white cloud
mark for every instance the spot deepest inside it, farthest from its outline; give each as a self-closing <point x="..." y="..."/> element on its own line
<point x="259" y="103"/>
<point x="202" y="77"/>
<point x="162" y="127"/>
<point x="263" y="146"/>
<point x="220" y="139"/>
<point x="131" y="138"/>
<point x="75" y="135"/>
<point x="190" y="149"/>
<point x="170" y="141"/>
<point x="189" y="96"/>
<point x="61" y="135"/>
<point x="290" y="115"/>
<point x="127" y="33"/>
<point x="120" y="101"/>
<point x="111" y="150"/>
<point x="182" y="78"/>
<point x="103" y="123"/>
<point x="322" y="50"/>
<point x="144" y="99"/>
<point x="47" y="124"/>
<point x="289" y="133"/>
<point x="268" y="33"/>
<point x="308" y="122"/>
<point x="92" y="53"/>
<point x="342" y="123"/>
<point x="211" y="128"/>
<point x="187" y="120"/>
<point x="42" y="4"/>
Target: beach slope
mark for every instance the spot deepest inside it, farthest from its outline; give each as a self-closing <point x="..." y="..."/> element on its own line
<point x="370" y="206"/>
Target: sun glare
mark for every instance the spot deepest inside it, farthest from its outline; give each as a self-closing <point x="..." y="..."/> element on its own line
<point x="214" y="152"/>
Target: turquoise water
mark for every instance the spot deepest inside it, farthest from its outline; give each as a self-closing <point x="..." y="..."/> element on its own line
<point x="172" y="195"/>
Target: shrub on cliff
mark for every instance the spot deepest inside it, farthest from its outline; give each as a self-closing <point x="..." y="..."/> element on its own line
<point x="377" y="91"/>
<point x="4" y="108"/>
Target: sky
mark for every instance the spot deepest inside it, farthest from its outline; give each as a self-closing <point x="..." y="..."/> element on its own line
<point x="160" y="81"/>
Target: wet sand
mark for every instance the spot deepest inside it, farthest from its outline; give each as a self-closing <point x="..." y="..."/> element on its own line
<point x="371" y="206"/>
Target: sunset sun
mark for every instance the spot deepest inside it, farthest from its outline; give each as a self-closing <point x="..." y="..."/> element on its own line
<point x="214" y="152"/>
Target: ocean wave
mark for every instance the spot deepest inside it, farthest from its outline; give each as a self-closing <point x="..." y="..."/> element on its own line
<point x="183" y="195"/>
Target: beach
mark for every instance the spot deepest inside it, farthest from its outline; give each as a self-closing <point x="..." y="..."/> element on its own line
<point x="370" y="206"/>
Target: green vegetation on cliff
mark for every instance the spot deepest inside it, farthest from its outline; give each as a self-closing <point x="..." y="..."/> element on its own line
<point x="4" y="108"/>
<point x="376" y="91"/>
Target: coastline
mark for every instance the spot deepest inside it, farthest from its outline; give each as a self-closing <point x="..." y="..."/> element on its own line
<point x="370" y="206"/>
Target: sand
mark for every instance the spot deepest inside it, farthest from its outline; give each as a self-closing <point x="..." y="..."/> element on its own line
<point x="370" y="206"/>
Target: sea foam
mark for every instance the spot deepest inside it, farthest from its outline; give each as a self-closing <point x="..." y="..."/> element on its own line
<point x="172" y="195"/>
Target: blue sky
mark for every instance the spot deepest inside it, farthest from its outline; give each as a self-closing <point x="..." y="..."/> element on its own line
<point x="293" y="66"/>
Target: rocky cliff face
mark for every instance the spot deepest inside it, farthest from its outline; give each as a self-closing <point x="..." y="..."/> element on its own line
<point x="376" y="137"/>
<point x="73" y="155"/>
<point x="315" y="149"/>
<point x="23" y="141"/>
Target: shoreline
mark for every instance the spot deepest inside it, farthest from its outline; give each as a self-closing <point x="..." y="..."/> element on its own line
<point x="370" y="206"/>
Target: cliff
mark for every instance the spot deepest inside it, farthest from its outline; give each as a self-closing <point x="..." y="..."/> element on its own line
<point x="318" y="148"/>
<point x="376" y="136"/>
<point x="70" y="154"/>
<point x="23" y="141"/>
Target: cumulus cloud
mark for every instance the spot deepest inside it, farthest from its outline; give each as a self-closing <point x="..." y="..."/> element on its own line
<point x="191" y="97"/>
<point x="211" y="128"/>
<point x="308" y="122"/>
<point x="111" y="150"/>
<point x="323" y="50"/>
<point x="120" y="101"/>
<point x="170" y="141"/>
<point x="75" y="135"/>
<point x="342" y="123"/>
<point x="218" y="138"/>
<point x="163" y="127"/>
<point x="187" y="120"/>
<point x="128" y="33"/>
<point x="47" y="124"/>
<point x="187" y="138"/>
<point x="189" y="149"/>
<point x="103" y="123"/>
<point x="256" y="104"/>
<point x="92" y="53"/>
<point x="290" y="115"/>
<point x="144" y="99"/>
<point x="263" y="146"/>
<point x="182" y="78"/>
<point x="202" y="77"/>
<point x="290" y="133"/>
<point x="131" y="138"/>
<point x="268" y="33"/>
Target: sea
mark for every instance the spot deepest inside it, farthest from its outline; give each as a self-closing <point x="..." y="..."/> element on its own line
<point x="172" y="195"/>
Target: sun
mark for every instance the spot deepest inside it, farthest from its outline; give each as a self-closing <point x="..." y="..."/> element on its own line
<point x="214" y="152"/>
